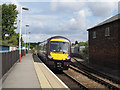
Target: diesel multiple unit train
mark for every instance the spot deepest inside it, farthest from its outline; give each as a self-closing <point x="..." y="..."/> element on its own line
<point x="56" y="52"/>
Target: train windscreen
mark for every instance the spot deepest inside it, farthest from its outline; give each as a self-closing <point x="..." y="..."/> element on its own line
<point x="56" y="46"/>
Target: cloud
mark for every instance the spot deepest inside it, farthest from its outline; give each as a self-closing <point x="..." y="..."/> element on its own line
<point x="77" y="23"/>
<point x="102" y="9"/>
<point x="36" y="38"/>
<point x="68" y="19"/>
<point x="74" y="25"/>
<point x="39" y="23"/>
<point x="74" y="6"/>
<point x="102" y="0"/>
<point x="53" y="5"/>
<point x="98" y="8"/>
<point x="67" y="6"/>
<point x="41" y="37"/>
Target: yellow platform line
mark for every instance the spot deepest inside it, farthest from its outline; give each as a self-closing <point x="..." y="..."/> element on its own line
<point x="46" y="78"/>
<point x="49" y="76"/>
<point x="41" y="77"/>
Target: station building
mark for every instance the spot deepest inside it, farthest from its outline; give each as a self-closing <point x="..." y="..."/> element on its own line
<point x="7" y="48"/>
<point x="104" y="43"/>
<point x="4" y="48"/>
<point x="76" y="49"/>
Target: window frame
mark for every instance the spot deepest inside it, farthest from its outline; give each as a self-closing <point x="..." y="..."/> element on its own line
<point x="94" y="34"/>
<point x="59" y="46"/>
<point x="107" y="32"/>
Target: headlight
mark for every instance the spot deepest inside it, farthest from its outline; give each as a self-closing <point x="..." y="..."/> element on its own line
<point x="68" y="57"/>
<point x="49" y="56"/>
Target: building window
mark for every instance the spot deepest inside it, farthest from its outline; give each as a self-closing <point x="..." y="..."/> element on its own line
<point x="107" y="31"/>
<point x="94" y="34"/>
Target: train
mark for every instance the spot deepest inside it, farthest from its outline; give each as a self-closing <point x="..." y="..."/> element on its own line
<point x="55" y="52"/>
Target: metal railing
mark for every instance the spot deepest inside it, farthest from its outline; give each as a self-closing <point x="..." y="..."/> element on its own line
<point x="9" y="59"/>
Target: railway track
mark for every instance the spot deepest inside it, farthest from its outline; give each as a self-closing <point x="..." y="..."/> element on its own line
<point x="90" y="73"/>
<point x="70" y="81"/>
<point x="67" y="79"/>
<point x="98" y="73"/>
<point x="80" y="78"/>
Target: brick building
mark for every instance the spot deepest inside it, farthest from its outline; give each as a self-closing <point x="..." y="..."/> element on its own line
<point x="104" y="43"/>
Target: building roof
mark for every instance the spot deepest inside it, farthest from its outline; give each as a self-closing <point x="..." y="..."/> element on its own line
<point x="114" y="18"/>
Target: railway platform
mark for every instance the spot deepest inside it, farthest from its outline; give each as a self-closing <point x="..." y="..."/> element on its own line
<point x="31" y="74"/>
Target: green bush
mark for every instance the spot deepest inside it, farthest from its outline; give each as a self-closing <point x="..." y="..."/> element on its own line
<point x="85" y="51"/>
<point x="4" y="42"/>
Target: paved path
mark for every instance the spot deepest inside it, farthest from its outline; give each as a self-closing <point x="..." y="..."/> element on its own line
<point x="22" y="75"/>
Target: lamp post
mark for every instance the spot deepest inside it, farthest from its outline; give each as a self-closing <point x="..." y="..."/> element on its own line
<point x="29" y="40"/>
<point x="26" y="44"/>
<point x="20" y="25"/>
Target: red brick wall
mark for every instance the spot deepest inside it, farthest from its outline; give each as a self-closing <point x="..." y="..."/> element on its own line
<point x="103" y="50"/>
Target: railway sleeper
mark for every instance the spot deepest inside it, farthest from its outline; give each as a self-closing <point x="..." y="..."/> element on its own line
<point x="95" y="79"/>
<point x="99" y="73"/>
<point x="81" y="86"/>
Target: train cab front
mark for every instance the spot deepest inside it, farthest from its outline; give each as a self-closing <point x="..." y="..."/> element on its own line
<point x="59" y="55"/>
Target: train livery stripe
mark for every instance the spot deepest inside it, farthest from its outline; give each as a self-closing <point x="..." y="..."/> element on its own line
<point x="61" y="40"/>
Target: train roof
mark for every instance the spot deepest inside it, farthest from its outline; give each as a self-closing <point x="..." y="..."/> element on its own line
<point x="58" y="37"/>
<point x="54" y="38"/>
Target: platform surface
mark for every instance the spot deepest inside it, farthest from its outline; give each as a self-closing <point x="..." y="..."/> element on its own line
<point x="22" y="75"/>
<point x="31" y="74"/>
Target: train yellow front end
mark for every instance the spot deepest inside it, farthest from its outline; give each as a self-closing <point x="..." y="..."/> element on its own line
<point x="58" y="53"/>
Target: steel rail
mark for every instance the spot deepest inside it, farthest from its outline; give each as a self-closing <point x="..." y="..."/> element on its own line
<point x="81" y="86"/>
<point x="99" y="73"/>
<point x="110" y="86"/>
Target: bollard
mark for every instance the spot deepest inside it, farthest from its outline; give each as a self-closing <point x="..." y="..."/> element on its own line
<point x="19" y="57"/>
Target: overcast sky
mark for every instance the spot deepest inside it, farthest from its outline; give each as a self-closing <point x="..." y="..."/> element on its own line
<point x="68" y="18"/>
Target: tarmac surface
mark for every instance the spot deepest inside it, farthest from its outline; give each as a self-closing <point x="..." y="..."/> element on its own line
<point x="33" y="74"/>
<point x="22" y="75"/>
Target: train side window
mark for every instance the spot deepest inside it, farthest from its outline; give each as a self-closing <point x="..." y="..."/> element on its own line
<point x="94" y="34"/>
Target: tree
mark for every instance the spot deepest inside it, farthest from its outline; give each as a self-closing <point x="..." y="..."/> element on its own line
<point x="13" y="40"/>
<point x="76" y="42"/>
<point x="73" y="44"/>
<point x="9" y="15"/>
<point x="82" y="43"/>
<point x="84" y="52"/>
<point x="22" y="42"/>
